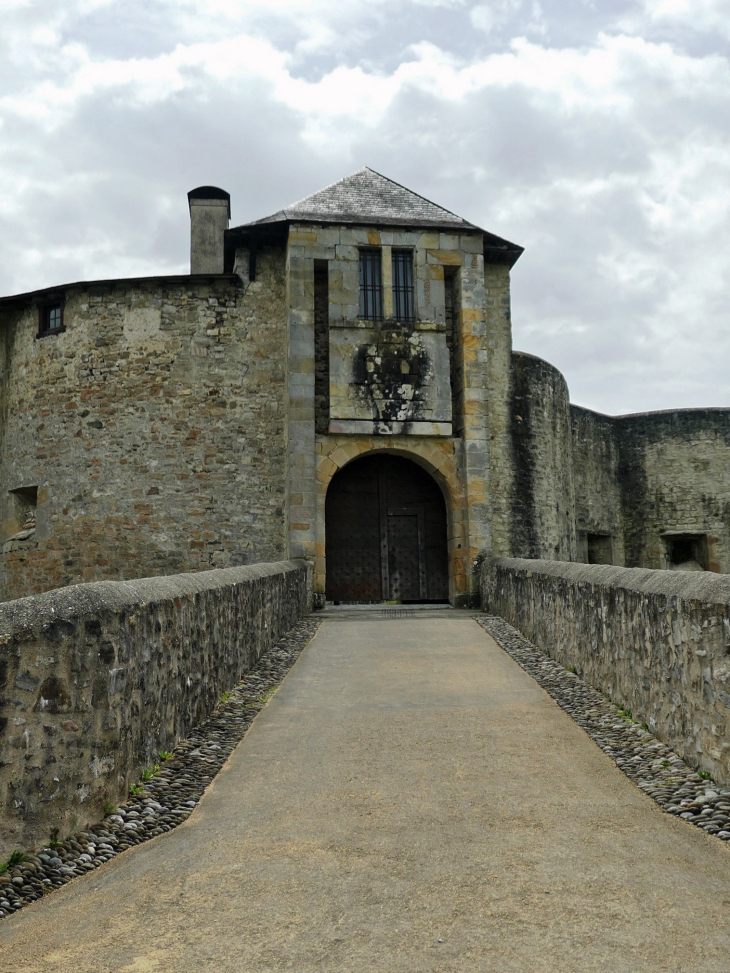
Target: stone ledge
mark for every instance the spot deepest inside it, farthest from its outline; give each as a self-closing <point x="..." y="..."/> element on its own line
<point x="366" y="427"/>
<point x="76" y="601"/>
<point x="687" y="585"/>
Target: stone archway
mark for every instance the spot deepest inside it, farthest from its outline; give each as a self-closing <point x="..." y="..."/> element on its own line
<point x="386" y="530"/>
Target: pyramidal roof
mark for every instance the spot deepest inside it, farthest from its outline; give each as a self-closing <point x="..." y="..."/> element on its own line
<point x="366" y="196"/>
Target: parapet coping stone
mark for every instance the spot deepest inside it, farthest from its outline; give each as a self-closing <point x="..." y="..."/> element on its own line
<point x="705" y="586"/>
<point x="82" y="600"/>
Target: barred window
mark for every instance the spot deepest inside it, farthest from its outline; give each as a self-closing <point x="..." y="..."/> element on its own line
<point x="403" y="285"/>
<point x="371" y="285"/>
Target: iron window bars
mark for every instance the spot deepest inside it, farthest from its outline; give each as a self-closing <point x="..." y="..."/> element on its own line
<point x="403" y="285"/>
<point x="371" y="285"/>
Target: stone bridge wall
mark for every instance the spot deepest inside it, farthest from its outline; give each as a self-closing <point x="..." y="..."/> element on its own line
<point x="655" y="642"/>
<point x="96" y="679"/>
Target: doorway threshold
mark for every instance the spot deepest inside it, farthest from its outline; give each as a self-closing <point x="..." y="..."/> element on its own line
<point x="382" y="611"/>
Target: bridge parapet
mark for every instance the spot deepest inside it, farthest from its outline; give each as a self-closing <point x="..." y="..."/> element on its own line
<point x="655" y="642"/>
<point x="97" y="679"/>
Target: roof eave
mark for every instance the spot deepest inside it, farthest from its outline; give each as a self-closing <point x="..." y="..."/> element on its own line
<point x="354" y="220"/>
<point x="28" y="297"/>
<point x="508" y="253"/>
<point x="497" y="250"/>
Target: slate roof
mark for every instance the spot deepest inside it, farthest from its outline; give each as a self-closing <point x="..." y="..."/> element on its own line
<point x="366" y="196"/>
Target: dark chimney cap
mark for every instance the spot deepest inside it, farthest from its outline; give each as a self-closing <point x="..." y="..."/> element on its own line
<point x="210" y="192"/>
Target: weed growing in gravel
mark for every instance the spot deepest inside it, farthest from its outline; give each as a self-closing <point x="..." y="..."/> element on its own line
<point x="267" y="694"/>
<point x="149" y="772"/>
<point x="110" y="808"/>
<point x="704" y="774"/>
<point x="135" y="790"/>
<point x="15" y="859"/>
<point x="626" y="713"/>
<point x="226" y="695"/>
<point x="53" y="843"/>
<point x="165" y="755"/>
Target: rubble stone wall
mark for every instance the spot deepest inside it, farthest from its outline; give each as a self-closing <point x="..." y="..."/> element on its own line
<point x="655" y="642"/>
<point x="596" y="476"/>
<point x="674" y="479"/>
<point x="150" y="435"/>
<point x="543" y="493"/>
<point x="96" y="679"/>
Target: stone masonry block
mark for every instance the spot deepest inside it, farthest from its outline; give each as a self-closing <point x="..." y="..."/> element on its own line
<point x="471" y="243"/>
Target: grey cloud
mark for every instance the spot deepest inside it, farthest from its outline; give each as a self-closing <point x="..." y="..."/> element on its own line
<point x="103" y="193"/>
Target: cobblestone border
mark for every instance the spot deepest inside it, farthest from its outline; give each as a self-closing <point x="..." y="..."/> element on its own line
<point x="170" y="795"/>
<point x="656" y="769"/>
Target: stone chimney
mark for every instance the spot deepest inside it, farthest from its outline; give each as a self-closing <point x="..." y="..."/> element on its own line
<point x="210" y="211"/>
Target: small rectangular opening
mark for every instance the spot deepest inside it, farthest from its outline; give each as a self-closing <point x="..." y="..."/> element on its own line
<point x="686" y="552"/>
<point x="449" y="304"/>
<point x="599" y="548"/>
<point x="24" y="502"/>
<point x="451" y="321"/>
<point x="321" y="347"/>
<point x="50" y="318"/>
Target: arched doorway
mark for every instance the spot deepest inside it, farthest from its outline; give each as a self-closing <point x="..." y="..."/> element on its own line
<point x="385" y="521"/>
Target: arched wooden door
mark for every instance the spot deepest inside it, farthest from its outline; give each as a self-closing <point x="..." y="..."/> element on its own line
<point x="386" y="533"/>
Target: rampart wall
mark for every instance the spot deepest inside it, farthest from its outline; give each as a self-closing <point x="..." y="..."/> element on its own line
<point x="96" y="679"/>
<point x="655" y="642"/>
<point x="674" y="480"/>
<point x="149" y="437"/>
<point x="596" y="472"/>
<point x="543" y="492"/>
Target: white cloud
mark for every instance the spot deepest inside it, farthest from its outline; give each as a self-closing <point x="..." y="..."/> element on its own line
<point x="697" y="16"/>
<point x="607" y="156"/>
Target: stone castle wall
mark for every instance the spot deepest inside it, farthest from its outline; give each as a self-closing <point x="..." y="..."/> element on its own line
<point x="675" y="478"/>
<point x="596" y="475"/>
<point x="96" y="679"/>
<point x="172" y="426"/>
<point x="626" y="484"/>
<point x="150" y="435"/>
<point x="494" y="358"/>
<point x="655" y="642"/>
<point x="543" y="495"/>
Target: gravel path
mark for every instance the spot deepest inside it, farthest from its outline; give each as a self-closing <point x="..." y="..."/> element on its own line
<point x="168" y="798"/>
<point x="410" y="799"/>
<point x="656" y="769"/>
<point x="170" y="795"/>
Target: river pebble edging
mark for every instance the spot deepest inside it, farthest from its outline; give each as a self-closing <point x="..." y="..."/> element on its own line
<point x="657" y="770"/>
<point x="169" y="796"/>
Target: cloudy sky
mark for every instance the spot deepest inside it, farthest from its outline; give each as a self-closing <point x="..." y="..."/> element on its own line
<point x="595" y="133"/>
